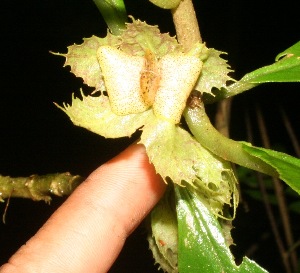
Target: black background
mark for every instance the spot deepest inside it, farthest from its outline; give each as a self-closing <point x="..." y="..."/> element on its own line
<point x="37" y="138"/>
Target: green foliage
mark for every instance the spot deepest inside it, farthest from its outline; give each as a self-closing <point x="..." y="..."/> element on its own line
<point x="292" y="52"/>
<point x="285" y="69"/>
<point x="202" y="246"/>
<point x="286" y="165"/>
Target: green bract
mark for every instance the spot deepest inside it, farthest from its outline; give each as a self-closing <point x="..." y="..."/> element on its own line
<point x="178" y="156"/>
<point x="94" y="113"/>
<point x="163" y="235"/>
<point x="214" y="73"/>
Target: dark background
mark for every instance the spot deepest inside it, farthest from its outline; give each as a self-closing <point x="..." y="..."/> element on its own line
<point x="38" y="138"/>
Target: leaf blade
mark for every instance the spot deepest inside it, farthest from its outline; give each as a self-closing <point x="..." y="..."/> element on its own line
<point x="201" y="244"/>
<point x="287" y="166"/>
<point x="285" y="69"/>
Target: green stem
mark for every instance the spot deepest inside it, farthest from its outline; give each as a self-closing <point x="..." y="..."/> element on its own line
<point x="188" y="34"/>
<point x="220" y="145"/>
<point x="38" y="187"/>
<point x="238" y="88"/>
<point x="114" y="14"/>
<point x="186" y="24"/>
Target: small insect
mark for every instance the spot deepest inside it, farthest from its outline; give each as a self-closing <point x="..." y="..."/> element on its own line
<point x="162" y="243"/>
<point x="149" y="80"/>
<point x="135" y="83"/>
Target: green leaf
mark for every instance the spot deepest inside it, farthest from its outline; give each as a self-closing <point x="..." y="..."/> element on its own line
<point x="288" y="167"/>
<point x="176" y="155"/>
<point x="94" y="113"/>
<point x="293" y="51"/>
<point x="201" y="243"/>
<point x="285" y="69"/>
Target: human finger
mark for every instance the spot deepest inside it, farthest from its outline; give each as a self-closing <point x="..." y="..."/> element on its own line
<point x="88" y="231"/>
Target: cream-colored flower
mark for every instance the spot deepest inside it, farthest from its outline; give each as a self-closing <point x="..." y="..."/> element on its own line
<point x="135" y="83"/>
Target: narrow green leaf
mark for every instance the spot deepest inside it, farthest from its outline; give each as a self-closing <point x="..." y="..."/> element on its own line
<point x="294" y="50"/>
<point x="285" y="69"/>
<point x="288" y="167"/>
<point x="201" y="243"/>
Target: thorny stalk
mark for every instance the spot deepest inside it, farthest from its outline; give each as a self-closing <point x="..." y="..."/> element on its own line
<point x="38" y="187"/>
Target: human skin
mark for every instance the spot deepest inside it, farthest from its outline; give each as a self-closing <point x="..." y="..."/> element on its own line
<point x="88" y="231"/>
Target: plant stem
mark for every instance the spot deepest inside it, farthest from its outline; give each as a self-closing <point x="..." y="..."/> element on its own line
<point x="226" y="148"/>
<point x="114" y="14"/>
<point x="38" y="187"/>
<point x="186" y="24"/>
<point x="188" y="34"/>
